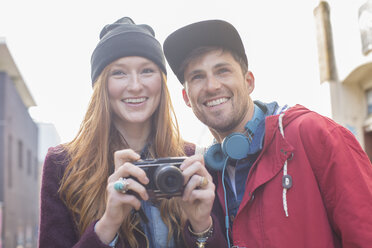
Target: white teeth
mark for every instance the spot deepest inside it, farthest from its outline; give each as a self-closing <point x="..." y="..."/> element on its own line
<point x="135" y="100"/>
<point x="216" y="102"/>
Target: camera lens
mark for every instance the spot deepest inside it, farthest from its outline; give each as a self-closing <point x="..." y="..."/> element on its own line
<point x="168" y="179"/>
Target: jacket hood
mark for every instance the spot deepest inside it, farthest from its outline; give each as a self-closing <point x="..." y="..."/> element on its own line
<point x="293" y="113"/>
<point x="272" y="122"/>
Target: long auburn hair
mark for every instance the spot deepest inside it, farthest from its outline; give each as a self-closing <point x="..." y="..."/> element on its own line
<point x="90" y="154"/>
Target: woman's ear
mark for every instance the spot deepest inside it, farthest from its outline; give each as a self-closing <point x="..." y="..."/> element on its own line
<point x="185" y="97"/>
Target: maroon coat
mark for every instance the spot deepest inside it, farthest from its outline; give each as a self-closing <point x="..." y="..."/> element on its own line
<point x="329" y="203"/>
<point x="57" y="228"/>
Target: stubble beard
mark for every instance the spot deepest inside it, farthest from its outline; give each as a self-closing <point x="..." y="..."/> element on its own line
<point x="223" y="121"/>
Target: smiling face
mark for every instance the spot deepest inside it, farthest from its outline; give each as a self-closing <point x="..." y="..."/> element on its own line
<point x="134" y="88"/>
<point x="218" y="92"/>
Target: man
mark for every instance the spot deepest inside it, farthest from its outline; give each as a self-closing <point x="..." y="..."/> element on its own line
<point x="285" y="177"/>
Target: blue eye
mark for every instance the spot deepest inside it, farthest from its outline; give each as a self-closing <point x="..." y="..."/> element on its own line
<point x="117" y="73"/>
<point x="222" y="70"/>
<point x="147" y="70"/>
<point x="196" y="77"/>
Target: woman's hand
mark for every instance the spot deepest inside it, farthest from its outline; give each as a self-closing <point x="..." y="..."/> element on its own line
<point x="198" y="196"/>
<point x="119" y="204"/>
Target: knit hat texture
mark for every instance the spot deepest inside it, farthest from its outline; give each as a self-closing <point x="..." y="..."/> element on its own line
<point x="124" y="38"/>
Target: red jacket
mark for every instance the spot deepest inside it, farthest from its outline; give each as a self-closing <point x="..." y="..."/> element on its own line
<point x="330" y="201"/>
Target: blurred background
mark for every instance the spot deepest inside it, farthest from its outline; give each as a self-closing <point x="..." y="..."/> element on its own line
<point x="314" y="53"/>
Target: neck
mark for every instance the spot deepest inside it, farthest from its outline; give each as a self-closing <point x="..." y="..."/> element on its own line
<point x="135" y="134"/>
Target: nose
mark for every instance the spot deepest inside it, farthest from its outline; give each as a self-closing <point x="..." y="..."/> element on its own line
<point x="212" y="83"/>
<point x="135" y="83"/>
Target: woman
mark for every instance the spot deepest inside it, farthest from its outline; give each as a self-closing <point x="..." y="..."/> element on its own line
<point x="129" y="117"/>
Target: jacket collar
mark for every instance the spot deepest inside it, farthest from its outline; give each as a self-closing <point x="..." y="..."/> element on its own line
<point x="259" y="175"/>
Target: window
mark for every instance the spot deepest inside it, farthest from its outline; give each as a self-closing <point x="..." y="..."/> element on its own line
<point x="365" y="26"/>
<point x="10" y="161"/>
<point x="369" y="101"/>
<point x="36" y="172"/>
<point x="29" y="162"/>
<point x="20" y="154"/>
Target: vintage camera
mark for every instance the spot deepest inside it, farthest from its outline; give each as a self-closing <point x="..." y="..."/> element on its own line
<point x="166" y="179"/>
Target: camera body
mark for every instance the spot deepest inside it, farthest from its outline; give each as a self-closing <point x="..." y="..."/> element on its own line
<point x="166" y="179"/>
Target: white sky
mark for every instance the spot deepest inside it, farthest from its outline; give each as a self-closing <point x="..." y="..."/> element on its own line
<point x="52" y="41"/>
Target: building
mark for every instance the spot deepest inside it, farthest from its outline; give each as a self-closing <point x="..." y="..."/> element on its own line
<point x="48" y="137"/>
<point x="19" y="166"/>
<point x="346" y="67"/>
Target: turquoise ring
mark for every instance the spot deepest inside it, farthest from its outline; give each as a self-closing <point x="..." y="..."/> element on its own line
<point x="121" y="185"/>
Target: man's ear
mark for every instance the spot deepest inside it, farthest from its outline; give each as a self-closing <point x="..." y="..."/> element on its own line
<point x="249" y="78"/>
<point x="185" y="97"/>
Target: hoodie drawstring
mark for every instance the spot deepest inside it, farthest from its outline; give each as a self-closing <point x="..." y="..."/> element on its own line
<point x="287" y="180"/>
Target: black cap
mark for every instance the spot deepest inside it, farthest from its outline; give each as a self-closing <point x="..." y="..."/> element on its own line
<point x="178" y="45"/>
<point x="124" y="38"/>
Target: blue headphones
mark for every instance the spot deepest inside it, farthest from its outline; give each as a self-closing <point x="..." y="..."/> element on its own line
<point x="235" y="146"/>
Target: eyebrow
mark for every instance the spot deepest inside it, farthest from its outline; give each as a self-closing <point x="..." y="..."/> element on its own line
<point x="221" y="65"/>
<point x="194" y="72"/>
<point x="118" y="64"/>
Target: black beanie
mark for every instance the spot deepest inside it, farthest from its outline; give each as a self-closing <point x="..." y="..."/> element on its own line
<point x="124" y="38"/>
